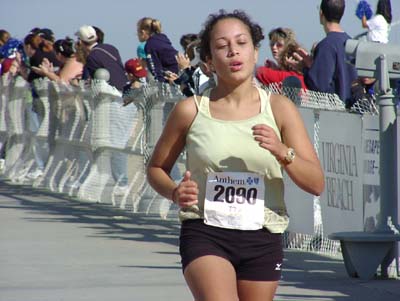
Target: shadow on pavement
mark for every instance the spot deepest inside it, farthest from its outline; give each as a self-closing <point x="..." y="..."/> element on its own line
<point x="306" y="276"/>
<point x="108" y="221"/>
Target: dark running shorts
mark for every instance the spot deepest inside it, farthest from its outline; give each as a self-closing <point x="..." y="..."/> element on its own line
<point x="256" y="255"/>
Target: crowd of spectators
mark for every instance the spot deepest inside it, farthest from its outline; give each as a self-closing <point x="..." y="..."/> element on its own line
<point x="325" y="68"/>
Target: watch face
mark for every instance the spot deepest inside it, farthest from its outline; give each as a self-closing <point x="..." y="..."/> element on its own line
<point x="290" y="155"/>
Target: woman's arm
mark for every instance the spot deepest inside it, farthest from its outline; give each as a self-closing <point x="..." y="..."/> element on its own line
<point x="364" y="22"/>
<point x="168" y="148"/>
<point x="268" y="76"/>
<point x="305" y="170"/>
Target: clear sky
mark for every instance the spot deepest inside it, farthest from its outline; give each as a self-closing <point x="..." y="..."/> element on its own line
<point x="118" y="18"/>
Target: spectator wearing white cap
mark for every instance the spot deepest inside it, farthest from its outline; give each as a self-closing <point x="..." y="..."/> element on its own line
<point x="101" y="56"/>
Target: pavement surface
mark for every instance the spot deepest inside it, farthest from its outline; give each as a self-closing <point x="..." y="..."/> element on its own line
<point x="54" y="248"/>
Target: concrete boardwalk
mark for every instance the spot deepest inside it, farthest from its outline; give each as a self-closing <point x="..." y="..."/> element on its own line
<point x="53" y="248"/>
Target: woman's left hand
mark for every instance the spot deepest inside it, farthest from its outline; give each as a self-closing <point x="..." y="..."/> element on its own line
<point x="267" y="139"/>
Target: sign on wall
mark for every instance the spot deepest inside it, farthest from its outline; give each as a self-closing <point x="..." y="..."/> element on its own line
<point x="340" y="153"/>
<point x="371" y="189"/>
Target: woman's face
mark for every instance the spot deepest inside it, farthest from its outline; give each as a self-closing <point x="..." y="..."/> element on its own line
<point x="29" y="50"/>
<point x="233" y="55"/>
<point x="276" y="46"/>
<point x="60" y="57"/>
<point x="143" y="35"/>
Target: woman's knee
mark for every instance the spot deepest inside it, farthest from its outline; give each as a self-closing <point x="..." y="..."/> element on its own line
<point x="211" y="278"/>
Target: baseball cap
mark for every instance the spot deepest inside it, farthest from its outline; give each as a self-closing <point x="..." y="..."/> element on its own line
<point x="87" y="33"/>
<point x="47" y="34"/>
<point x="134" y="67"/>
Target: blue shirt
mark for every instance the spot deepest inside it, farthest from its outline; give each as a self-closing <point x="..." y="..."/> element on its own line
<point x="162" y="54"/>
<point x="331" y="71"/>
<point x="107" y="56"/>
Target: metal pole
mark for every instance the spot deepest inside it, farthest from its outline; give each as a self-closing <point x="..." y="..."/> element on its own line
<point x="387" y="134"/>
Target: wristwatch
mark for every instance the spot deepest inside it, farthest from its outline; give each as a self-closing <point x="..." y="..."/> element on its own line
<point x="290" y="155"/>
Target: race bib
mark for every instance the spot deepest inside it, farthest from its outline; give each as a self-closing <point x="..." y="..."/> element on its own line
<point x="234" y="200"/>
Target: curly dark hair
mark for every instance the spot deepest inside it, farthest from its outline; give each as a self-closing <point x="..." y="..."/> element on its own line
<point x="255" y="30"/>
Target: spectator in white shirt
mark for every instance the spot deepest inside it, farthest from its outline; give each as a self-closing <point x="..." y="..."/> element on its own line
<point x="379" y="25"/>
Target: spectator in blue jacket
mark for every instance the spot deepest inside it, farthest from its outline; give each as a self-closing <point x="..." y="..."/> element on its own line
<point x="101" y="55"/>
<point x="329" y="69"/>
<point x="159" y="49"/>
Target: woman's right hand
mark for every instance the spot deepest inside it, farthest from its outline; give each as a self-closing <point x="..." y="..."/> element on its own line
<point x="301" y="56"/>
<point x="186" y="193"/>
<point x="182" y="60"/>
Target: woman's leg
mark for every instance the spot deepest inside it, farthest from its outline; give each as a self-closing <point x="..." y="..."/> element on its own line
<point x="256" y="290"/>
<point x="211" y="278"/>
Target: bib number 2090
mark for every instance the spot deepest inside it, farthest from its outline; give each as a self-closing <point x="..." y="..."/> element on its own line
<point x="237" y="195"/>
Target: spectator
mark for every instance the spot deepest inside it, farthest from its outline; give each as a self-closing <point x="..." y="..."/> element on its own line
<point x="282" y="44"/>
<point x="136" y="75"/>
<point x="107" y="56"/>
<point x="237" y="138"/>
<point x="159" y="50"/>
<point x="99" y="34"/>
<point x="142" y="56"/>
<point x="37" y="39"/>
<point x="101" y="56"/>
<point x="20" y="61"/>
<point x="4" y="36"/>
<point x="45" y="50"/>
<point x="329" y="70"/>
<point x="71" y="68"/>
<point x="379" y="25"/>
<point x="186" y="39"/>
<point x="140" y="52"/>
<point x="193" y="74"/>
<point x="278" y="38"/>
<point x="8" y="55"/>
<point x="378" y="31"/>
<point x="38" y="46"/>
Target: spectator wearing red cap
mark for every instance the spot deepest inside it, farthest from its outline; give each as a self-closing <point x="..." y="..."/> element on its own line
<point x="136" y="72"/>
<point x="137" y="77"/>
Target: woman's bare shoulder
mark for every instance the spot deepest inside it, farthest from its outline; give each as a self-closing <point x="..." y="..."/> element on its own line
<point x="283" y="108"/>
<point x="184" y="112"/>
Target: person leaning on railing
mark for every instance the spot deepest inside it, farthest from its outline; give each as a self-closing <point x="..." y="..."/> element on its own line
<point x="100" y="56"/>
<point x="71" y="69"/>
<point x="159" y="50"/>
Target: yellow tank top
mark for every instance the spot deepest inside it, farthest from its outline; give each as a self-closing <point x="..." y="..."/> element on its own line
<point x="215" y="145"/>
